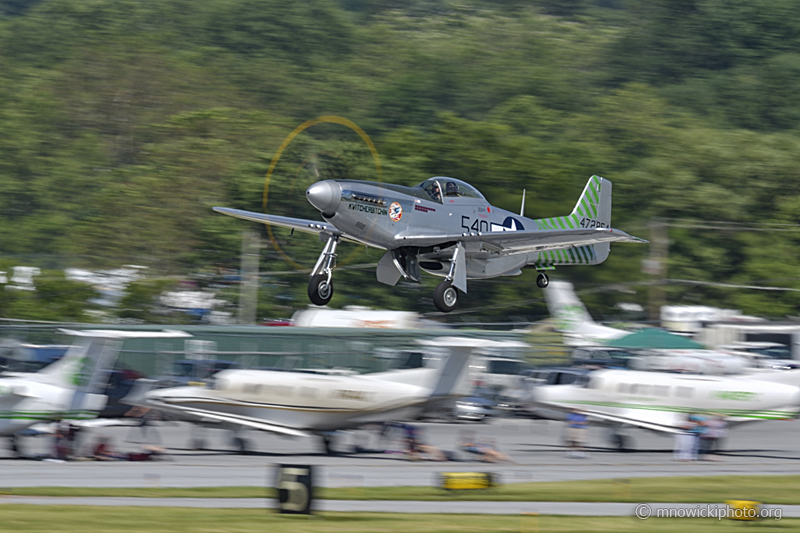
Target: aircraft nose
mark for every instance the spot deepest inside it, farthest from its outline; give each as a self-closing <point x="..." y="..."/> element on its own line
<point x="325" y="196"/>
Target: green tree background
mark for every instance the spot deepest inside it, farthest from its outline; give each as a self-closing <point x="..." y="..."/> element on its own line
<point x="123" y="122"/>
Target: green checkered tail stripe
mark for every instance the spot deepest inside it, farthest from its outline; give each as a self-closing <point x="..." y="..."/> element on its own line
<point x="592" y="210"/>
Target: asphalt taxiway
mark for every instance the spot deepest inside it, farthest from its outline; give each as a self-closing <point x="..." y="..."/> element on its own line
<point x="535" y="446"/>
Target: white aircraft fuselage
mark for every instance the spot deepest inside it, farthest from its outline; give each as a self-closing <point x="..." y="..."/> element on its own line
<point x="661" y="401"/>
<point x="305" y="403"/>
<point x="24" y="402"/>
<point x="294" y="403"/>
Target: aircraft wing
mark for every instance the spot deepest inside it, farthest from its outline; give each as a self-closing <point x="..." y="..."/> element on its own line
<point x="524" y="240"/>
<point x="663" y="426"/>
<point x="300" y="224"/>
<point x="205" y="416"/>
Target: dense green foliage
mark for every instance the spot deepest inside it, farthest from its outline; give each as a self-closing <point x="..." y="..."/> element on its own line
<point x="123" y="122"/>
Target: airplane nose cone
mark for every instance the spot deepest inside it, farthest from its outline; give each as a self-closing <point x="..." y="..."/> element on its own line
<point x="325" y="196"/>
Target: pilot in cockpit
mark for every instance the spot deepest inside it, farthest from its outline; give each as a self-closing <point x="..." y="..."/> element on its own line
<point x="451" y="189"/>
<point x="436" y="194"/>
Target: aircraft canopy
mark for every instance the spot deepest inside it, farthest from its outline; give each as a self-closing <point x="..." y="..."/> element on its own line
<point x="440" y="186"/>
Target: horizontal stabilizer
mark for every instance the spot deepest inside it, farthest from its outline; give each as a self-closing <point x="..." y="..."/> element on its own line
<point x="524" y="240"/>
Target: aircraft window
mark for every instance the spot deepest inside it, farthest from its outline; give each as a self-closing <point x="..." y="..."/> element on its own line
<point x="432" y="189"/>
<point x="622" y="388"/>
<point x="634" y="388"/>
<point x="684" y="392"/>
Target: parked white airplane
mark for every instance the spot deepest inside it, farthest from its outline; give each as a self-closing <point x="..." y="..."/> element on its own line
<point x="67" y="389"/>
<point x="572" y="318"/>
<point x="661" y="402"/>
<point x="580" y="329"/>
<point x="305" y="404"/>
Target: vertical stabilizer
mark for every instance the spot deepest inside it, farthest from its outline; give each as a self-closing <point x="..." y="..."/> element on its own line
<point x="572" y="318"/>
<point x="82" y="367"/>
<point x="565" y="307"/>
<point x="593" y="210"/>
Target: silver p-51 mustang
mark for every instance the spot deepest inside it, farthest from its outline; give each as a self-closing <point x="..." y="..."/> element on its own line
<point x="445" y="227"/>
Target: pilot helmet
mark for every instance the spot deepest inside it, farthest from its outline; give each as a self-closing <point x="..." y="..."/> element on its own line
<point x="451" y="188"/>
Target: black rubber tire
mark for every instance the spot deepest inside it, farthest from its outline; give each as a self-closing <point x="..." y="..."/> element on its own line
<point x="445" y="297"/>
<point x="542" y="281"/>
<point x="319" y="291"/>
<point x="241" y="445"/>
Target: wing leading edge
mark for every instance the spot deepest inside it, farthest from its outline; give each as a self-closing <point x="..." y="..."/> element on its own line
<point x="300" y="224"/>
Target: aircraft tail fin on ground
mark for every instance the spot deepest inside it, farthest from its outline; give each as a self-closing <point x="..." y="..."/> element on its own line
<point x="82" y="367"/>
<point x="452" y="378"/>
<point x="565" y="307"/>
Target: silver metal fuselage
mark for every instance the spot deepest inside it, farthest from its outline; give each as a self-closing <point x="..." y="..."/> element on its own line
<point x="367" y="212"/>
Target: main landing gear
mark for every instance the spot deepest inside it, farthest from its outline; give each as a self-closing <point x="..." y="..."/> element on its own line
<point x="542" y="281"/>
<point x="445" y="297"/>
<point x="320" y="287"/>
<point x="327" y="442"/>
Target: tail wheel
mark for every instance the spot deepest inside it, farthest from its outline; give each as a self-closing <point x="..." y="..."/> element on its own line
<point x="445" y="297"/>
<point x="542" y="280"/>
<point x="320" y="291"/>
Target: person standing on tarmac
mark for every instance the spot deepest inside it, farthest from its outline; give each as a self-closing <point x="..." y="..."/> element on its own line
<point x="577" y="423"/>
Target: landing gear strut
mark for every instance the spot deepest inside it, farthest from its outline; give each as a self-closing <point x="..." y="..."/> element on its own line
<point x="445" y="297"/>
<point x="620" y="441"/>
<point x="241" y="445"/>
<point x="320" y="287"/>
<point x="15" y="446"/>
<point x="327" y="442"/>
<point x="542" y="280"/>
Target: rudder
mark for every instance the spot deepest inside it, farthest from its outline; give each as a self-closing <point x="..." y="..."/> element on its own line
<point x="593" y="209"/>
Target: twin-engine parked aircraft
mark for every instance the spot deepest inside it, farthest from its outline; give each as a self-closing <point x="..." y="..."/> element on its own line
<point x="305" y="404"/>
<point x="445" y="227"/>
<point x="67" y="389"/>
<point x="661" y="402"/>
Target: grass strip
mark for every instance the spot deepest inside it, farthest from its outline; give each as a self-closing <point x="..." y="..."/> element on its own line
<point x="79" y="519"/>
<point x="712" y="489"/>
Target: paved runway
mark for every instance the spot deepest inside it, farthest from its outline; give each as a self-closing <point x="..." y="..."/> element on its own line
<point x="535" y="446"/>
